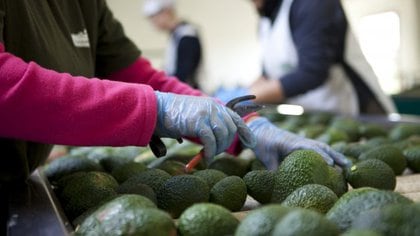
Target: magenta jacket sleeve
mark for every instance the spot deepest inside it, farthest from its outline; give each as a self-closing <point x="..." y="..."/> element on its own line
<point x="42" y="105"/>
<point x="142" y="72"/>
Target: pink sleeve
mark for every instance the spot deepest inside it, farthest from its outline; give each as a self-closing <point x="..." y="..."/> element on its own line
<point x="142" y="72"/>
<point x="42" y="105"/>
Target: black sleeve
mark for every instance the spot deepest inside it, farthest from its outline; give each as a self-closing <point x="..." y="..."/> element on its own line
<point x="311" y="24"/>
<point x="188" y="59"/>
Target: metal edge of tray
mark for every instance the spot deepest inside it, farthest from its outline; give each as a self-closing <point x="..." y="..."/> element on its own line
<point x="34" y="210"/>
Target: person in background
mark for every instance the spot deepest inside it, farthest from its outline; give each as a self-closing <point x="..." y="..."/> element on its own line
<point x="184" y="53"/>
<point x="310" y="58"/>
<point x="69" y="75"/>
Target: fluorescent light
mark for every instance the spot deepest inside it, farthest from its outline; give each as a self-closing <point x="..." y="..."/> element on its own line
<point x="287" y="109"/>
<point x="394" y="117"/>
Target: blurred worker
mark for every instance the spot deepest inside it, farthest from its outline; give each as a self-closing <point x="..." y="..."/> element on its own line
<point x="309" y="58"/>
<point x="183" y="55"/>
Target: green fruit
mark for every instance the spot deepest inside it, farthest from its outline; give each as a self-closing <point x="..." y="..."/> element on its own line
<point x="409" y="142"/>
<point x="260" y="185"/>
<point x="355" y="149"/>
<point x="128" y="215"/>
<point x="347" y="125"/>
<point x="353" y="203"/>
<point x="320" y="118"/>
<point x="297" y="169"/>
<point x="372" y="130"/>
<point x="371" y="173"/>
<point x="261" y="221"/>
<point x="388" y="154"/>
<point x="311" y="131"/>
<point x="172" y="167"/>
<point x="412" y="155"/>
<point x="377" y="141"/>
<point x="109" y="163"/>
<point x="86" y="191"/>
<point x="137" y="188"/>
<point x="154" y="178"/>
<point x="256" y="164"/>
<point x="66" y="165"/>
<point x="231" y="165"/>
<point x="207" y="219"/>
<point x="229" y="192"/>
<point x="336" y="181"/>
<point x="210" y="176"/>
<point x="180" y="192"/>
<point x="360" y="232"/>
<point x="403" y="131"/>
<point x="312" y="196"/>
<point x="124" y="172"/>
<point x="333" y="135"/>
<point x="395" y="219"/>
<point x="303" y="222"/>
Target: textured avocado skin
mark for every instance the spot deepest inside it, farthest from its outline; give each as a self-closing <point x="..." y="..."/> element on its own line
<point x="412" y="155"/>
<point x="312" y="196"/>
<point x="211" y="176"/>
<point x="261" y="221"/>
<point x="371" y="173"/>
<point x="260" y="184"/>
<point x="207" y="219"/>
<point x="128" y="215"/>
<point x="388" y="154"/>
<point x="229" y="192"/>
<point x="299" y="168"/>
<point x="336" y="181"/>
<point x="180" y="192"/>
<point x="354" y="202"/>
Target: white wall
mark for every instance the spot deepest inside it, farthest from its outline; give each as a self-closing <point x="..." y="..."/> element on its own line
<point x="227" y="27"/>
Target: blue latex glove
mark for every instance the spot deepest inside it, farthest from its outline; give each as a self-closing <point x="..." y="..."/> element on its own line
<point x="227" y="94"/>
<point x="273" y="143"/>
<point x="200" y="117"/>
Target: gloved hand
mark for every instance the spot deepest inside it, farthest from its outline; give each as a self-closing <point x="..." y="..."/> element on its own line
<point x="200" y="117"/>
<point x="273" y="143"/>
<point x="227" y="94"/>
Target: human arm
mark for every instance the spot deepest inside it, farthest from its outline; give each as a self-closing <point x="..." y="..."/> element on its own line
<point x="313" y="34"/>
<point x="273" y="144"/>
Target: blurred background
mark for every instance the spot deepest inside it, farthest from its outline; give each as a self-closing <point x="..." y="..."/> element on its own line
<point x="387" y="30"/>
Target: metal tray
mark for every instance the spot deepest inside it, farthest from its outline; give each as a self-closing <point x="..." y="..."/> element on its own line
<point x="34" y="210"/>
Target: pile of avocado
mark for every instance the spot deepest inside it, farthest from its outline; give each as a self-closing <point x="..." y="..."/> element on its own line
<point x="127" y="191"/>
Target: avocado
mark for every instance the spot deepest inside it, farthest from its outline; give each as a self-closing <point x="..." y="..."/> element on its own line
<point x="86" y="191"/>
<point x="353" y="203"/>
<point x="299" y="168"/>
<point x="355" y="149"/>
<point x="377" y="141"/>
<point x="69" y="164"/>
<point x="303" y="222"/>
<point x="312" y="196"/>
<point x="125" y="171"/>
<point x="388" y="154"/>
<point x="128" y="215"/>
<point x="207" y="219"/>
<point x="256" y="164"/>
<point x="311" y="131"/>
<point x="154" y="178"/>
<point x="336" y="181"/>
<point x="260" y="184"/>
<point x="137" y="188"/>
<point x="319" y="118"/>
<point x="408" y="142"/>
<point x="109" y="163"/>
<point x="370" y="130"/>
<point x="403" y="131"/>
<point x="394" y="219"/>
<point x="360" y="232"/>
<point x="180" y="192"/>
<point x="261" y="221"/>
<point x="349" y="126"/>
<point x="230" y="165"/>
<point x="412" y="155"/>
<point x="371" y="173"/>
<point x="333" y="135"/>
<point x="210" y="176"/>
<point x="229" y="192"/>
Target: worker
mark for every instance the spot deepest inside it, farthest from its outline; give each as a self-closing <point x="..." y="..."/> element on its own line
<point x="184" y="53"/>
<point x="310" y="58"/>
<point x="70" y="76"/>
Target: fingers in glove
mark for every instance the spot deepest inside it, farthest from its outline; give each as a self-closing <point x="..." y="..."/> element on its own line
<point x="224" y="131"/>
<point x="245" y="135"/>
<point x="208" y="140"/>
<point x="339" y="158"/>
<point x="324" y="155"/>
